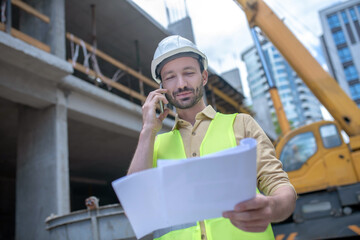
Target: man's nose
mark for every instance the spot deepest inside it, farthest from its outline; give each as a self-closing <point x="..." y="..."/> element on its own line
<point x="181" y="82"/>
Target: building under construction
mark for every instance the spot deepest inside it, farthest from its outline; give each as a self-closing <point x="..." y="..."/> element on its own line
<point x="73" y="77"/>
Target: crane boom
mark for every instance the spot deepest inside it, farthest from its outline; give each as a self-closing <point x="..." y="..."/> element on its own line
<point x="323" y="86"/>
<point x="323" y="169"/>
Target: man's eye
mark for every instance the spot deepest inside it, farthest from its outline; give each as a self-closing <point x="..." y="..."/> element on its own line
<point x="169" y="77"/>
<point x="189" y="73"/>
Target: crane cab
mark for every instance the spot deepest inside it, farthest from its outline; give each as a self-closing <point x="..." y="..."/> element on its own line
<point x="316" y="157"/>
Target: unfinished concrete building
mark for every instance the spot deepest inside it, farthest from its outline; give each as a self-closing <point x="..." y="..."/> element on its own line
<point x="73" y="76"/>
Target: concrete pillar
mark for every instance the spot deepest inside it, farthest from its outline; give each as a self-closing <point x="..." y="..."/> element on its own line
<point x="42" y="176"/>
<point x="52" y="34"/>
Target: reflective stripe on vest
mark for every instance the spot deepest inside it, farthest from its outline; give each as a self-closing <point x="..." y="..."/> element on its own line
<point x="219" y="136"/>
<point x="161" y="232"/>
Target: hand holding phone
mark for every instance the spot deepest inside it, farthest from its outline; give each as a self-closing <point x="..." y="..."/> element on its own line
<point x="161" y="103"/>
<point x="151" y="120"/>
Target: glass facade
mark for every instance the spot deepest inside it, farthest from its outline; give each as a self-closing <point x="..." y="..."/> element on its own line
<point x="333" y="21"/>
<point x="341" y="25"/>
<point x="344" y="17"/>
<point x="298" y="101"/>
<point x="353" y="14"/>
<point x="283" y="87"/>
<point x="355" y="91"/>
<point x="344" y="55"/>
<point x="282" y="79"/>
<point x="339" y="37"/>
<point x="350" y="73"/>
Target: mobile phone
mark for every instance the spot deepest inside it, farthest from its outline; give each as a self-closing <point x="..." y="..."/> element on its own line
<point x="161" y="103"/>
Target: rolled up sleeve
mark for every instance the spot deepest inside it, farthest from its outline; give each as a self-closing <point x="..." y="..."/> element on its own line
<point x="270" y="174"/>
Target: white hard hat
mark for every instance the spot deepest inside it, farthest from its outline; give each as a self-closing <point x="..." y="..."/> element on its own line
<point x="173" y="47"/>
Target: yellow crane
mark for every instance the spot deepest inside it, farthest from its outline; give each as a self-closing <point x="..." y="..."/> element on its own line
<point x="324" y="170"/>
<point x="274" y="93"/>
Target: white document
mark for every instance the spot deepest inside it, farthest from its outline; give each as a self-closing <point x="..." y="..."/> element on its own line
<point x="188" y="190"/>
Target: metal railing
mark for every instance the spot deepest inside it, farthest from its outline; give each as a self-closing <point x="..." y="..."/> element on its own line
<point x="90" y="53"/>
<point x="93" y="53"/>
<point x="236" y="105"/>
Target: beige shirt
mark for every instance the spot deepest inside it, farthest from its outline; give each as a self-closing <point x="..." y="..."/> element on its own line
<point x="270" y="174"/>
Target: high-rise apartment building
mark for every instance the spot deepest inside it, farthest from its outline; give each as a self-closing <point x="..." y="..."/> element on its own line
<point x="297" y="100"/>
<point x="341" y="44"/>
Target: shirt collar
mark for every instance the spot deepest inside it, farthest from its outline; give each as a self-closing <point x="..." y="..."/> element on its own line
<point x="207" y="113"/>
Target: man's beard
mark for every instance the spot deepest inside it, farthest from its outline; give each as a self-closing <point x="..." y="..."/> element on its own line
<point x="193" y="100"/>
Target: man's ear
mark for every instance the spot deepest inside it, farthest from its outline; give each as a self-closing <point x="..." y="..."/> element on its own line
<point x="204" y="77"/>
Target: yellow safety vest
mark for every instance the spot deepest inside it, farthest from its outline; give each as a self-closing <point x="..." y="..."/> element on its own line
<point x="219" y="136"/>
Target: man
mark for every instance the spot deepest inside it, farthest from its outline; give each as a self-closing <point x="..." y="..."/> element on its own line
<point x="182" y="70"/>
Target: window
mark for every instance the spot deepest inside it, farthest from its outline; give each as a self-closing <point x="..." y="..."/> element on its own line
<point x="333" y="21"/>
<point x="297" y="151"/>
<point x="276" y="55"/>
<point x="344" y="17"/>
<point x="350" y="73"/>
<point x="355" y="91"/>
<point x="285" y="96"/>
<point x="283" y="79"/>
<point x="353" y="14"/>
<point x="339" y="37"/>
<point x="280" y="71"/>
<point x="344" y="54"/>
<point x="283" y="87"/>
<point x="330" y="136"/>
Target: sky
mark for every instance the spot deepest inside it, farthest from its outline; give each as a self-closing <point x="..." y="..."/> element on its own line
<point x="222" y="33"/>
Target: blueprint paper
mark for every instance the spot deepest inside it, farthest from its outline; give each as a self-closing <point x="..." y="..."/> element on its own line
<point x="188" y="190"/>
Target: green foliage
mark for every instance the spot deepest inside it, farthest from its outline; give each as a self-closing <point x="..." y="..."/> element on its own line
<point x="277" y="125"/>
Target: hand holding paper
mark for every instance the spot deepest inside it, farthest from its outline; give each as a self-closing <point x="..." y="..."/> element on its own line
<point x="188" y="190"/>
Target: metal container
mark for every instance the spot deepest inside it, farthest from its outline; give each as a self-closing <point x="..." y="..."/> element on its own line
<point x="104" y="223"/>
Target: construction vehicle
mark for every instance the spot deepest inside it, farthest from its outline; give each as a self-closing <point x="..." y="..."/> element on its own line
<point x="324" y="170"/>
